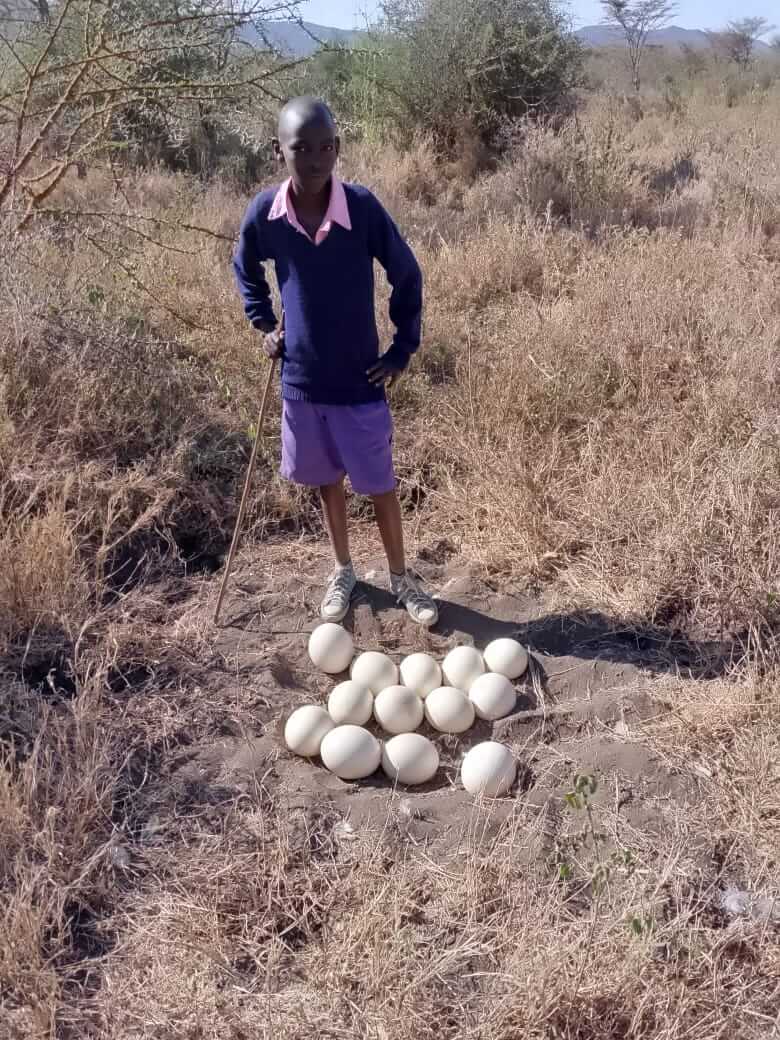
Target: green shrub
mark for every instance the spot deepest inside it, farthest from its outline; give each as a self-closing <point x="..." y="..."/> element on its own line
<point x="445" y="66"/>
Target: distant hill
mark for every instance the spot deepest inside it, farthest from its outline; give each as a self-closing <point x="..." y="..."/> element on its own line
<point x="298" y="40"/>
<point x="670" y="36"/>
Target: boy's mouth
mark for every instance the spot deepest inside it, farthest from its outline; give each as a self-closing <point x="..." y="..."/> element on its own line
<point x="314" y="181"/>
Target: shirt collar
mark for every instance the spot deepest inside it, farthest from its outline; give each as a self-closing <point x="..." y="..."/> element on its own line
<point x="336" y="213"/>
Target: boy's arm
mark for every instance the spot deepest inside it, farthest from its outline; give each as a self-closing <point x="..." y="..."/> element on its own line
<point x="248" y="258"/>
<point x="404" y="275"/>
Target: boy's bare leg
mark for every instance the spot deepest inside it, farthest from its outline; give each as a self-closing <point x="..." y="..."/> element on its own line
<point x="387" y="509"/>
<point x="418" y="603"/>
<point x="334" y="508"/>
<point x="342" y="581"/>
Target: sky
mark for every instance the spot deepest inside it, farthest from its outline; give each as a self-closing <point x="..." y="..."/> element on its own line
<point x="691" y="14"/>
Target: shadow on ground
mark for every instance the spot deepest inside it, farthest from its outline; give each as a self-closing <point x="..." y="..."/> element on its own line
<point x="585" y="635"/>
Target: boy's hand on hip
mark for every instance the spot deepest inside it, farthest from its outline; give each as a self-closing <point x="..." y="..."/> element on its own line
<point x="273" y="344"/>
<point x="383" y="373"/>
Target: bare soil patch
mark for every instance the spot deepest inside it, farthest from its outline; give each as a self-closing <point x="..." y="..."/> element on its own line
<point x="590" y="686"/>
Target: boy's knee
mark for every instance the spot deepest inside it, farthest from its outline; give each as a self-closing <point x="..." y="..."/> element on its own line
<point x="384" y="496"/>
<point x="332" y="489"/>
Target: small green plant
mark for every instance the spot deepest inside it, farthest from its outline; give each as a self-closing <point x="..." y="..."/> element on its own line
<point x="641" y="924"/>
<point x="578" y="799"/>
<point x="96" y="295"/>
<point x="621" y="861"/>
<point x="223" y="385"/>
<point x="565" y="871"/>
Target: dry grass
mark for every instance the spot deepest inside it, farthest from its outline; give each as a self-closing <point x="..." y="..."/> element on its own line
<point x="595" y="412"/>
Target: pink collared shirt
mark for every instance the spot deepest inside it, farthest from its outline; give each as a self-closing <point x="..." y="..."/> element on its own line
<point x="336" y="213"/>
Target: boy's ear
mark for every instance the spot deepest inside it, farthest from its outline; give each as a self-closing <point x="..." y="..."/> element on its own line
<point x="337" y="144"/>
<point x="277" y="148"/>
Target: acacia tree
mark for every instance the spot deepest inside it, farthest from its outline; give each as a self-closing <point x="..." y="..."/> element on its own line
<point x="78" y="84"/>
<point x="738" y="40"/>
<point x="636" y="19"/>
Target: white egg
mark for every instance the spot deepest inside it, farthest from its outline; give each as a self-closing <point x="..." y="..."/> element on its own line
<point x="462" y="666"/>
<point x="493" y="696"/>
<point x="349" y="702"/>
<point x="373" y="670"/>
<point x="449" y="710"/>
<point x="306" y="728"/>
<point x="488" y="769"/>
<point x="351" y="752"/>
<point x="506" y="657"/>
<point x="398" y="709"/>
<point x="420" y="673"/>
<point x="331" y="648"/>
<point x="410" y="759"/>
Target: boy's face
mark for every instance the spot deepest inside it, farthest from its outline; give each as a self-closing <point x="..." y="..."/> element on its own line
<point x="309" y="151"/>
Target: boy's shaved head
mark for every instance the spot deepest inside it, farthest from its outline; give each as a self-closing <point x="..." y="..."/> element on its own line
<point x="304" y="111"/>
<point x="308" y="144"/>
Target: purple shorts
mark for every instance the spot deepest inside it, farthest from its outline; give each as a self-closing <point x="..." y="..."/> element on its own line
<point x="321" y="443"/>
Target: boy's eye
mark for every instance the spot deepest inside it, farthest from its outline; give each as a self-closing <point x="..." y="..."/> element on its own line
<point x="327" y="148"/>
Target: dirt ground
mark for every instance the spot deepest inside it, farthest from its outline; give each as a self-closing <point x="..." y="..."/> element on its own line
<point x="590" y="684"/>
<point x="242" y="891"/>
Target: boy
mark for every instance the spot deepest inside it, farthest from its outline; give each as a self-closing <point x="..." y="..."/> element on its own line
<point x="323" y="237"/>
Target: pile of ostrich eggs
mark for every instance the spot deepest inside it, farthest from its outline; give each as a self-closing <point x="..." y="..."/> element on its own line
<point x="462" y="666"/>
<point x="506" y="657"/>
<point x="373" y="670"/>
<point x="488" y="769"/>
<point x="351" y="752"/>
<point x="398" y="709"/>
<point x="421" y="673"/>
<point x="492" y="695"/>
<point x="449" y="710"/>
<point x="410" y="759"/>
<point x="349" y="702"/>
<point x="306" y="728"/>
<point x="331" y="648"/>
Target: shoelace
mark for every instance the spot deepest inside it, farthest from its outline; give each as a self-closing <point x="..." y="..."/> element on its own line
<point x="339" y="586"/>
<point x="408" y="590"/>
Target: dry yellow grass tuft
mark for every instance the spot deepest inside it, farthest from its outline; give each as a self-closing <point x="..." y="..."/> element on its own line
<point x="594" y="416"/>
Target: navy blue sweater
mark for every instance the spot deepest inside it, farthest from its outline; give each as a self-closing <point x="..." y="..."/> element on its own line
<point x="327" y="294"/>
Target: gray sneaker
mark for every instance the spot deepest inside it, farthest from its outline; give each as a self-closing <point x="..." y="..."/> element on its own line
<point x="335" y="602"/>
<point x="420" y="606"/>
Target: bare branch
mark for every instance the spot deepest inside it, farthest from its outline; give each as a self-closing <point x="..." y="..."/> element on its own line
<point x="87" y="80"/>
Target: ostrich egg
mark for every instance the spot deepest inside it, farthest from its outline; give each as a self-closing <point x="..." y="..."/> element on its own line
<point x="398" y="709"/>
<point x="410" y="759"/>
<point x="331" y="648"/>
<point x="449" y="710"/>
<point x="492" y="695"/>
<point x="462" y="666"/>
<point x="305" y="729"/>
<point x="420" y="673"/>
<point x="349" y="702"/>
<point x="506" y="657"/>
<point x="351" y="752"/>
<point x="373" y="670"/>
<point x="488" y="769"/>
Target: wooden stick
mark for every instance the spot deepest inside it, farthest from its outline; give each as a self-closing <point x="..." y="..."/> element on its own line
<point x="247" y="485"/>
